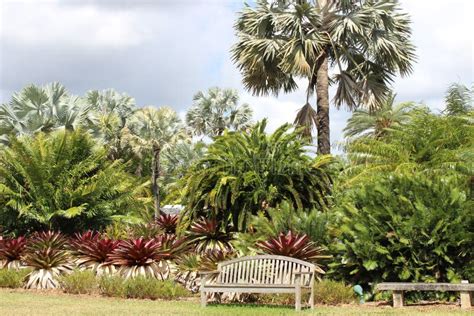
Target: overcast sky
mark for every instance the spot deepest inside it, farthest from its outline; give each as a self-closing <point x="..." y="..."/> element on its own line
<point x="162" y="52"/>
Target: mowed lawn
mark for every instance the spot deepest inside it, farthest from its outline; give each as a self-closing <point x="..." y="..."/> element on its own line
<point x="17" y="302"/>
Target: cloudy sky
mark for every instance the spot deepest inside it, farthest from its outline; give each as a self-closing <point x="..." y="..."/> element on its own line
<point x="162" y="51"/>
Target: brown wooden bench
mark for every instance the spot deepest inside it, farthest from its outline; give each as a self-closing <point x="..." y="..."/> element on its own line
<point x="398" y="288"/>
<point x="261" y="274"/>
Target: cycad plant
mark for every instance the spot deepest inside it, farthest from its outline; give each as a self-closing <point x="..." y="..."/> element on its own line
<point x="47" y="254"/>
<point x="376" y="123"/>
<point x="242" y="173"/>
<point x="63" y="181"/>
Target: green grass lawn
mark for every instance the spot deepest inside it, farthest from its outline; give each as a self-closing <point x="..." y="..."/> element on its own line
<point x="18" y="302"/>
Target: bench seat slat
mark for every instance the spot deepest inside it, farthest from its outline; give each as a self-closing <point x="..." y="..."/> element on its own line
<point x="443" y="287"/>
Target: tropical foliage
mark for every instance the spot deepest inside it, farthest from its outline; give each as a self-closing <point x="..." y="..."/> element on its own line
<point x="367" y="42"/>
<point x="406" y="227"/>
<point x="376" y="123"/>
<point x="292" y="245"/>
<point x="243" y="173"/>
<point x="48" y="256"/>
<point x="63" y="181"/>
<point x="216" y="111"/>
<point x="41" y="109"/>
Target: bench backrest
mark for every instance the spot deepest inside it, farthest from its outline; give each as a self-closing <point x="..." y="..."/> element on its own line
<point x="265" y="269"/>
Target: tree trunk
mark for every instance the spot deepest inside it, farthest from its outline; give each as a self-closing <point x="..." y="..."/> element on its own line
<point x="322" y="95"/>
<point x="155" y="174"/>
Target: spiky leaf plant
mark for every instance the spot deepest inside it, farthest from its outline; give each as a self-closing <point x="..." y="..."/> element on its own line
<point x="93" y="250"/>
<point x="297" y="246"/>
<point x="212" y="257"/>
<point x="11" y="251"/>
<point x="139" y="257"/>
<point x="206" y="234"/>
<point x="168" y="223"/>
<point x="171" y="246"/>
<point x="188" y="266"/>
<point x="47" y="254"/>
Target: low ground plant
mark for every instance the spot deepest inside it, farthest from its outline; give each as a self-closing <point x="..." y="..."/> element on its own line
<point x="11" y="278"/>
<point x="112" y="286"/>
<point x="149" y="288"/>
<point x="79" y="282"/>
<point x="333" y="293"/>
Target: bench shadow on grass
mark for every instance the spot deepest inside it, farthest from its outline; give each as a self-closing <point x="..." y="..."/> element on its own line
<point x="254" y="305"/>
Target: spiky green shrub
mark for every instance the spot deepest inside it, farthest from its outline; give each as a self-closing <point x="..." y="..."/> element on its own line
<point x="12" y="278"/>
<point x="11" y="252"/>
<point x="139" y="257"/>
<point x="293" y="245"/>
<point x="406" y="227"/>
<point x="63" y="181"/>
<point x="79" y="282"/>
<point x="149" y="288"/>
<point x="49" y="258"/>
<point x="93" y="250"/>
<point x="112" y="286"/>
<point x="206" y="234"/>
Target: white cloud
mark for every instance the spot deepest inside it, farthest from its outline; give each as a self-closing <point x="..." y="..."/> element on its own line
<point x="32" y="23"/>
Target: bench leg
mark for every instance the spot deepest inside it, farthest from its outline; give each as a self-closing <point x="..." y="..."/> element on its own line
<point x="397" y="298"/>
<point x="203" y="299"/>
<point x="465" y="300"/>
<point x="298" y="298"/>
<point x="311" y="299"/>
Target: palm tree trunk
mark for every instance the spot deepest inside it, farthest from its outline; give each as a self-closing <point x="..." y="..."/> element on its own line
<point x="155" y="174"/>
<point x="322" y="98"/>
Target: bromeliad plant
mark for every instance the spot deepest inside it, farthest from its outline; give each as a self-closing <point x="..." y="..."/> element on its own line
<point x="206" y="234"/>
<point x="167" y="223"/>
<point x="93" y="251"/>
<point x="47" y="254"/>
<point x="139" y="257"/>
<point x="11" y="251"/>
<point x="297" y="246"/>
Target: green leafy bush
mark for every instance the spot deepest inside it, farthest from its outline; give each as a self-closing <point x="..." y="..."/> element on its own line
<point x="111" y="285"/>
<point x="13" y="278"/>
<point x="406" y="227"/>
<point x="63" y="181"/>
<point x="149" y="288"/>
<point x="332" y="293"/>
<point x="79" y="282"/>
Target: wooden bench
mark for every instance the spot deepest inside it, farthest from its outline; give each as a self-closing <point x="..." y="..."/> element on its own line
<point x="261" y="274"/>
<point x="398" y="288"/>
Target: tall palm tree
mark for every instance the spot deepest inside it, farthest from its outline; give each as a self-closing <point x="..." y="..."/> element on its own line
<point x="375" y="123"/>
<point x="217" y="110"/>
<point x="365" y="43"/>
<point x="152" y="130"/>
<point x="459" y="99"/>
<point x="109" y="115"/>
<point x="46" y="108"/>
